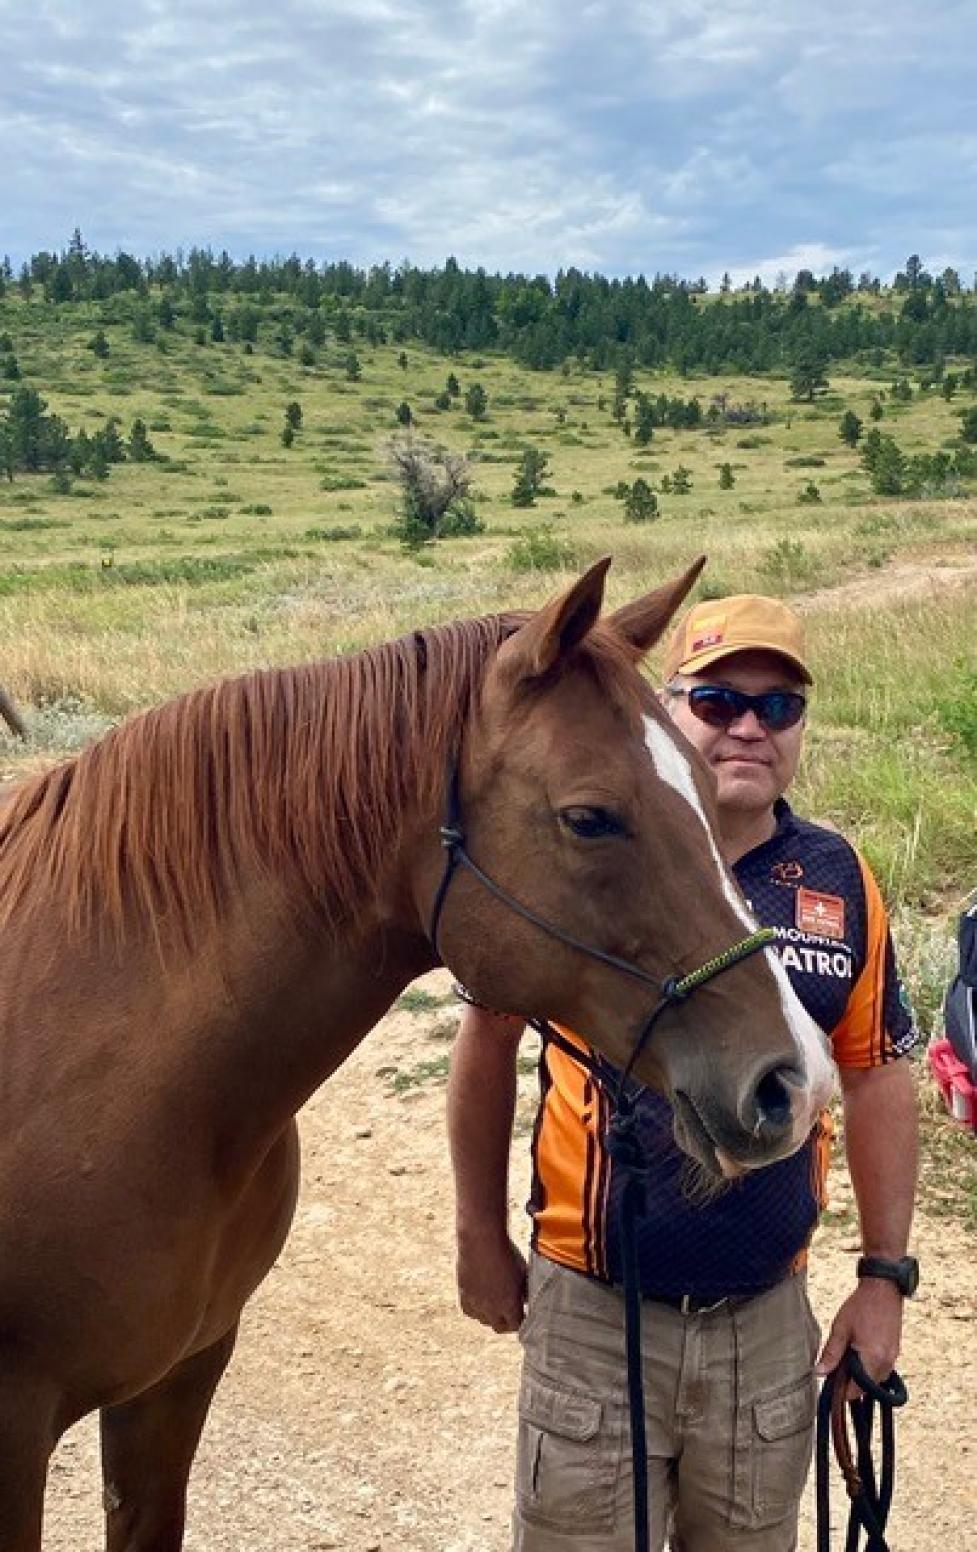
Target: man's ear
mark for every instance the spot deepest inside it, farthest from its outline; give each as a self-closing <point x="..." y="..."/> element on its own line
<point x="643" y="622"/>
<point x="552" y="634"/>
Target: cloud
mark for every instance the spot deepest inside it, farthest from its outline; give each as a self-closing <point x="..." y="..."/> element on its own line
<point x="618" y="136"/>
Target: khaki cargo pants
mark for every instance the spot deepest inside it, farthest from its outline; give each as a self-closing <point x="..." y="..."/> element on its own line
<point x="729" y="1398"/>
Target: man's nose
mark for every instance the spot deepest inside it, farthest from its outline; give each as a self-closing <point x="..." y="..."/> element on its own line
<point x="747" y="725"/>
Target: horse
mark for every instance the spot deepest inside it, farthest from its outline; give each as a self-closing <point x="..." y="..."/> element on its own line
<point x="205" y="911"/>
<point x="10" y="714"/>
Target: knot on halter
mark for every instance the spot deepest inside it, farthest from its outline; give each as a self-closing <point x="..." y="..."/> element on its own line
<point x="452" y="835"/>
<point x="675" y="989"/>
<point x="622" y="1141"/>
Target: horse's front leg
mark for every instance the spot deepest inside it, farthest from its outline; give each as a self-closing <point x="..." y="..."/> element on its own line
<point x="28" y="1433"/>
<point x="148" y="1445"/>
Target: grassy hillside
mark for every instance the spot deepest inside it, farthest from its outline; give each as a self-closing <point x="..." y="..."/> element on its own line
<point x="232" y="550"/>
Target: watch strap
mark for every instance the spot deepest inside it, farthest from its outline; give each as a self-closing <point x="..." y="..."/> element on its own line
<point x="904" y="1272"/>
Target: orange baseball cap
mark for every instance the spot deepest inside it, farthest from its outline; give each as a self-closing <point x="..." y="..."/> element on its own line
<point x="720" y="627"/>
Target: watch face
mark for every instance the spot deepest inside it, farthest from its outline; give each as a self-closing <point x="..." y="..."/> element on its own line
<point x="909" y="1268"/>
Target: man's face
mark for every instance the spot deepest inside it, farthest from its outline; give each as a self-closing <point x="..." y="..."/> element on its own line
<point x="753" y="765"/>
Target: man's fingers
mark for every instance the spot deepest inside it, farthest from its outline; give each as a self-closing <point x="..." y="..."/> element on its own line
<point x="831" y="1355"/>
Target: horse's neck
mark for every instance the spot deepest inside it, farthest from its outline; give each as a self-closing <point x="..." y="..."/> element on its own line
<point x="301" y="1002"/>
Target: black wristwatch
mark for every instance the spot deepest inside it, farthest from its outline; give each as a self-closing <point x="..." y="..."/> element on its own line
<point x="904" y="1272"/>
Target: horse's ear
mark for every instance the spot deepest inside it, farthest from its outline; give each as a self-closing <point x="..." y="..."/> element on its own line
<point x="559" y="627"/>
<point x="643" y="621"/>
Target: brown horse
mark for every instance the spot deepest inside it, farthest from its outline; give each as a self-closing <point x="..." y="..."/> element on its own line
<point x="10" y="714"/>
<point x="204" y="913"/>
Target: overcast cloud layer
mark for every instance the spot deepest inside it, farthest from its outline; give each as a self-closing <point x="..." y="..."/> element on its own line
<point x="620" y="135"/>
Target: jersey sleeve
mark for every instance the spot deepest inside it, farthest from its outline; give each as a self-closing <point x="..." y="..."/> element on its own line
<point x="878" y="1023"/>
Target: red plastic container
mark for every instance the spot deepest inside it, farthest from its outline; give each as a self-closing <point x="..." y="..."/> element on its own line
<point x="953" y="1081"/>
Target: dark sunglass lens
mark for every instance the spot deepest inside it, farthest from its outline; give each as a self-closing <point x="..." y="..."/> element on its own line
<point x="780" y="710"/>
<point x="717" y="706"/>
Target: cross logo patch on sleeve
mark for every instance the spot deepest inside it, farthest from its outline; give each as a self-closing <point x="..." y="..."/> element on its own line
<point x="821" y="914"/>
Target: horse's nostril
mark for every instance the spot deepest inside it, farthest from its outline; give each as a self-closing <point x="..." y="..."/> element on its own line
<point x="773" y="1098"/>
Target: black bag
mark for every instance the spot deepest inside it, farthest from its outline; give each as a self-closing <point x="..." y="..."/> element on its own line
<point x="960" y="1008"/>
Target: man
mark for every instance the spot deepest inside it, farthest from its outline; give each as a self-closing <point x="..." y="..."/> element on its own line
<point x="729" y="1339"/>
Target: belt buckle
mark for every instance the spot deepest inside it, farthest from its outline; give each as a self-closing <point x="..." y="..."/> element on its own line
<point x="688" y="1300"/>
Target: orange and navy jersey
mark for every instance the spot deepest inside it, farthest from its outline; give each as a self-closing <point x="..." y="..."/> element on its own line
<point x="816" y="892"/>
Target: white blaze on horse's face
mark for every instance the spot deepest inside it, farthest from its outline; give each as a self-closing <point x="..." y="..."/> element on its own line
<point x="674" y="769"/>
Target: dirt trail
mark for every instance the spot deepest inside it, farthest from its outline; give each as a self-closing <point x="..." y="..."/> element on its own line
<point x="363" y="1412"/>
<point x="902" y="581"/>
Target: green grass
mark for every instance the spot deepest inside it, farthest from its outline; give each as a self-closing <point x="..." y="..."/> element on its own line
<point x="235" y="551"/>
<point x="417" y="1000"/>
<point x="432" y="1069"/>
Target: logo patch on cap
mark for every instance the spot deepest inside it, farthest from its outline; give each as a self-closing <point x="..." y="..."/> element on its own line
<point x="708" y="632"/>
<point x="822" y="914"/>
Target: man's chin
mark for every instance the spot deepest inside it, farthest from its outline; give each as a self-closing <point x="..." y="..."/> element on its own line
<point x="746" y="785"/>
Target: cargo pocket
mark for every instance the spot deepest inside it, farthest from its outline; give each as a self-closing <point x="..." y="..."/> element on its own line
<point x="568" y="1457"/>
<point x="783" y="1424"/>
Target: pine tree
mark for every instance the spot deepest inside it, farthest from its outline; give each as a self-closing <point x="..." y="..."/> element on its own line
<point x="968" y="425"/>
<point x="681" y="481"/>
<point x="644" y="420"/>
<point x="141" y="449"/>
<point x="476" y="402"/>
<point x="530" y="473"/>
<point x="110" y="441"/>
<point x="808" y="377"/>
<point x="640" y="503"/>
<point x="850" y="429"/>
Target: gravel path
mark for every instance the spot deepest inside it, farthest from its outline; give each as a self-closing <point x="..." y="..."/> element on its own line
<point x="363" y="1412"/>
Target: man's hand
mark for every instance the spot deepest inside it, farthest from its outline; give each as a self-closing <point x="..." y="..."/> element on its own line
<point x="492" y="1281"/>
<point x="870" y="1321"/>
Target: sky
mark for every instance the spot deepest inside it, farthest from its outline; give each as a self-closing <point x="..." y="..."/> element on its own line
<point x="620" y="136"/>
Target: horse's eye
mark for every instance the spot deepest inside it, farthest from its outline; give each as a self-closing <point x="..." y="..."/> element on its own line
<point x="591" y="823"/>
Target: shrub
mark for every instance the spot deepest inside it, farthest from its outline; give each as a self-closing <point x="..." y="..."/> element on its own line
<point x="434" y="487"/>
<point x="540" y="550"/>
<point x="337" y="531"/>
<point x="788" y="563"/>
<point x="957" y="709"/>
<point x="341" y="482"/>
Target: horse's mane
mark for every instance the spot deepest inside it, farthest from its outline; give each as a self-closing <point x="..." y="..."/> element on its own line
<point x="305" y="773"/>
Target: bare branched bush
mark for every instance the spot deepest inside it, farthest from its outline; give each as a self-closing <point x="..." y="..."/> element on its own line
<point x="434" y="488"/>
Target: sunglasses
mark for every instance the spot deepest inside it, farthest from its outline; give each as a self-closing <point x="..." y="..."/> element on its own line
<point x="719" y="707"/>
